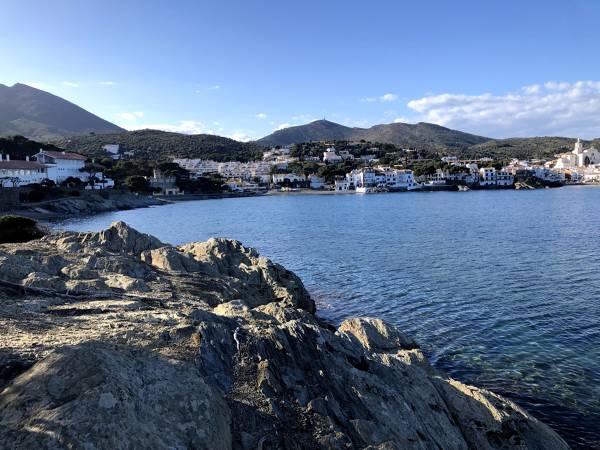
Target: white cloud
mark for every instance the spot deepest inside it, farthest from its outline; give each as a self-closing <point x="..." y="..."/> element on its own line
<point x="282" y="126"/>
<point x="183" y="126"/>
<point x="531" y="89"/>
<point x="261" y="116"/>
<point x="388" y="98"/>
<point x="70" y="84"/>
<point x="242" y="136"/>
<point x="402" y="120"/>
<point x="131" y="116"/>
<point x="106" y="83"/>
<point x="216" y="86"/>
<point x="566" y="109"/>
<point x="382" y="98"/>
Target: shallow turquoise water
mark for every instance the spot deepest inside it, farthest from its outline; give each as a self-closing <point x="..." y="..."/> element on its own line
<point x="502" y="288"/>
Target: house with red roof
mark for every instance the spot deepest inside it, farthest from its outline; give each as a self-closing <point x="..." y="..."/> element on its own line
<point x="20" y="173"/>
<point x="62" y="165"/>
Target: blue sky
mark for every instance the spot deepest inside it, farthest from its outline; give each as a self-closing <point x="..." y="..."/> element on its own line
<point x="244" y="68"/>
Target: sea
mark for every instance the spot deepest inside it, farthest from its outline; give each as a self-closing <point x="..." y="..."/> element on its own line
<point x="500" y="288"/>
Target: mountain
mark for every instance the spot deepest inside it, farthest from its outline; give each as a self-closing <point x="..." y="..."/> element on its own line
<point x="157" y="145"/>
<point x="402" y="134"/>
<point x="37" y="114"/>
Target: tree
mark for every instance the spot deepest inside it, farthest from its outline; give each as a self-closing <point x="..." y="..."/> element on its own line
<point x="137" y="183"/>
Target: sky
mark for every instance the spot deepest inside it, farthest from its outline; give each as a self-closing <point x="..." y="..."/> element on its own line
<point x="243" y="69"/>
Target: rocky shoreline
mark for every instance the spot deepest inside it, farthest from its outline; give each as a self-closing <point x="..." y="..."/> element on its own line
<point x="88" y="204"/>
<point x="114" y="339"/>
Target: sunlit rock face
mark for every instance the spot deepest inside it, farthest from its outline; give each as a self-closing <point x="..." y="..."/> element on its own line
<point x="117" y="340"/>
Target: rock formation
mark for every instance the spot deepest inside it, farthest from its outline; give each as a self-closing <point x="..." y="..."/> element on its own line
<point x="117" y="340"/>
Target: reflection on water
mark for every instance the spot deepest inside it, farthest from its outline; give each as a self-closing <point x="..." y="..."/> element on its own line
<point x="501" y="288"/>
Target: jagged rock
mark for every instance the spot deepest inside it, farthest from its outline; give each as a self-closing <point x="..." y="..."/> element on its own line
<point x="222" y="350"/>
<point x="121" y="238"/>
<point x="104" y="397"/>
<point x="376" y="335"/>
<point x="168" y="258"/>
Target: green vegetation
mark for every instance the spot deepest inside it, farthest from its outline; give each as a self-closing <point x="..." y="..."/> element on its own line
<point x="19" y="147"/>
<point x="157" y="145"/>
<point x="18" y="229"/>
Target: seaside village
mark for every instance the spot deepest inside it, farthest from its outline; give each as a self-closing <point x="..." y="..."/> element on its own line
<point x="580" y="166"/>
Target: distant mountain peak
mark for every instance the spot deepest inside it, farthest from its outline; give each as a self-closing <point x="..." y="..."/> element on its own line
<point x="37" y="114"/>
<point x="399" y="133"/>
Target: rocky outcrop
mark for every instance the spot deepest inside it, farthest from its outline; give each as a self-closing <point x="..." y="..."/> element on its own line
<point x="117" y="340"/>
<point x="88" y="203"/>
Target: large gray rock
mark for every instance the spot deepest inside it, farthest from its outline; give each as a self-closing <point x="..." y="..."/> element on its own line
<point x="98" y="396"/>
<point x="140" y="344"/>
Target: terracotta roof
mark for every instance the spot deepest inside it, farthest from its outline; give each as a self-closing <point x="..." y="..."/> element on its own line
<point x="19" y="164"/>
<point x="64" y="155"/>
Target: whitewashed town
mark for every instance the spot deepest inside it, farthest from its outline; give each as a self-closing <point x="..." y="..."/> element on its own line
<point x="580" y="166"/>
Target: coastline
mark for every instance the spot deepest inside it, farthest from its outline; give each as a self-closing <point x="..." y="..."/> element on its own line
<point x="92" y="203"/>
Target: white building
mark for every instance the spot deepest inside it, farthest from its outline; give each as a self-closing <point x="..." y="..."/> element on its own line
<point x="280" y="178"/>
<point x="330" y="155"/>
<point x="62" y="165"/>
<point x="21" y="173"/>
<point x="543" y="173"/>
<point x="487" y="176"/>
<point x="579" y="157"/>
<point x="342" y="185"/>
<point x="504" y="178"/>
<point x="231" y="169"/>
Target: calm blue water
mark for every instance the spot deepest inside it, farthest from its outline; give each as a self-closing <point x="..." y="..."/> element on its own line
<point x="501" y="288"/>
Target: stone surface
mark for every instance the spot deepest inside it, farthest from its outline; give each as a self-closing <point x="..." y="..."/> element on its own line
<point x="116" y="340"/>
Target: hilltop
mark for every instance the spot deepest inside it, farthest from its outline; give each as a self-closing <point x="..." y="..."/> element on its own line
<point x="36" y="114"/>
<point x="420" y="135"/>
<point x="157" y="145"/>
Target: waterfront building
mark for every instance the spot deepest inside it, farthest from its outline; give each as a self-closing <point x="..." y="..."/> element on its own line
<point x="287" y="178"/>
<point x="546" y="174"/>
<point x="341" y="185"/>
<point x="21" y="173"/>
<point x="62" y="165"/>
<point x="504" y="178"/>
<point x="487" y="176"/>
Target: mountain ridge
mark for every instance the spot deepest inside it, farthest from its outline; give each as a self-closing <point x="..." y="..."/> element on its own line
<point x="37" y="114"/>
<point x="397" y="133"/>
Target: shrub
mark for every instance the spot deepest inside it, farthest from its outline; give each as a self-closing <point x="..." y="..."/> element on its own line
<point x="18" y="229"/>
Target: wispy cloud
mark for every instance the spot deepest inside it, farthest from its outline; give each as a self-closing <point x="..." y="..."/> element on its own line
<point x="242" y="135"/>
<point x="70" y="84"/>
<point x="131" y="116"/>
<point x="382" y="98"/>
<point x="552" y="108"/>
<point x="261" y="116"/>
<point x="107" y="83"/>
<point x="183" y="126"/>
<point x="282" y="126"/>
